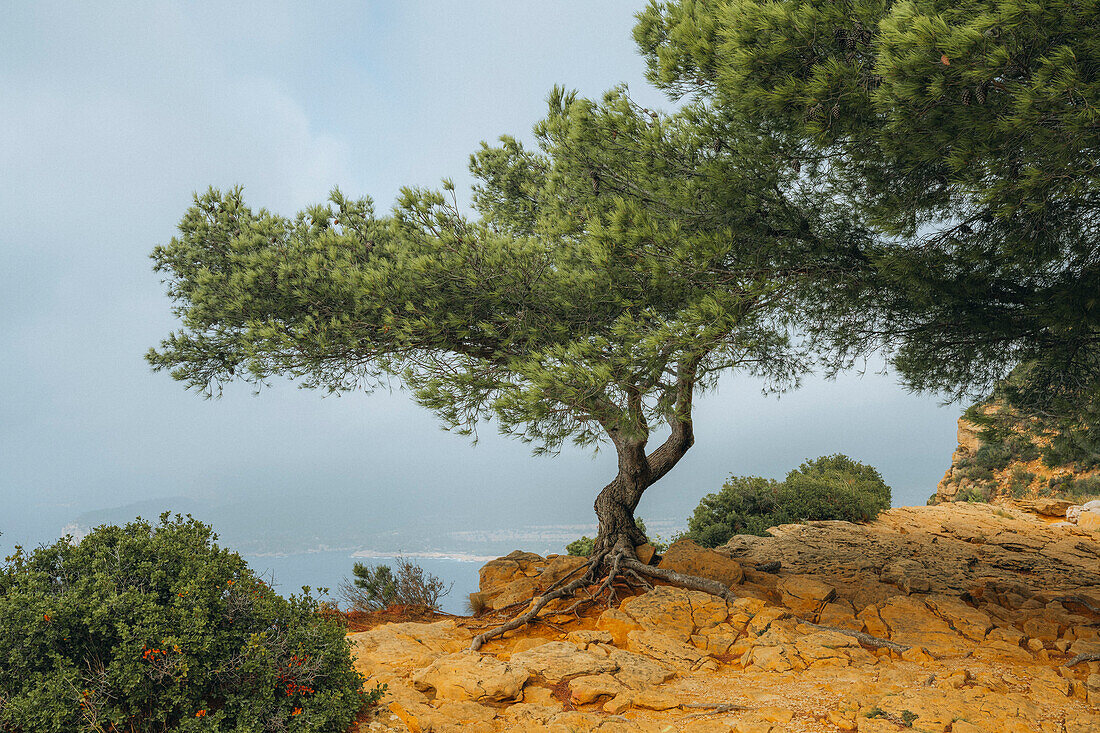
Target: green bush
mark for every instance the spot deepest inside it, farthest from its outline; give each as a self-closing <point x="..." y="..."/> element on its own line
<point x="1066" y="486"/>
<point x="976" y="494"/>
<point x="582" y="547"/>
<point x="830" y="487"/>
<point x="1019" y="481"/>
<point x="378" y="587"/>
<point x="154" y="627"/>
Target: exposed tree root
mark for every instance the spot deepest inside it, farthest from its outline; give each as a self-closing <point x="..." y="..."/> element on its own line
<point x="691" y="582"/>
<point x="622" y="565"/>
<point x="554" y="592"/>
<point x="1089" y="657"/>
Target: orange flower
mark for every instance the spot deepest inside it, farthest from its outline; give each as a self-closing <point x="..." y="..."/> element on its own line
<point x="46" y="616"/>
<point x="296" y="711"/>
<point x="200" y="714"/>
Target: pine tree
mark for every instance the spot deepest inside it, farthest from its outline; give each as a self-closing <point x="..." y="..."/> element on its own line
<point x="604" y="280"/>
<point x="966" y="135"/>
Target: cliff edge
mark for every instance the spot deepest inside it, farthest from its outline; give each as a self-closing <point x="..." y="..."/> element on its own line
<point x="958" y="617"/>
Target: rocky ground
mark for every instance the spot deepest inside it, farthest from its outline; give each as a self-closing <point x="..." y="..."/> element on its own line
<point x="958" y="617"/>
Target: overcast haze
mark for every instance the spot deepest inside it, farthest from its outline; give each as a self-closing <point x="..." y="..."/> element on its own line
<point x="113" y="114"/>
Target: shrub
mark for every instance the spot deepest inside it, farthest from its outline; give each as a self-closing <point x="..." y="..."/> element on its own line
<point x="1067" y="486"/>
<point x="830" y="487"/>
<point x="154" y="627"/>
<point x="585" y="545"/>
<point x="1019" y="481"/>
<point x="975" y="494"/>
<point x="375" y="588"/>
<point x="582" y="547"/>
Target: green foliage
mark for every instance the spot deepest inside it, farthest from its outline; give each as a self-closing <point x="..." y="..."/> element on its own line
<point x="377" y="587"/>
<point x="151" y="627"/>
<point x="585" y="545"/>
<point x="582" y="547"/>
<point x="975" y="494"/>
<point x="830" y="487"/>
<point x="372" y="589"/>
<point x="963" y="135"/>
<point x="1019" y="482"/>
<point x="1067" y="486"/>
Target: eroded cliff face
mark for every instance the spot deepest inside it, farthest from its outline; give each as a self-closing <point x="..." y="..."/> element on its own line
<point x="959" y="617"/>
<point x="1017" y="467"/>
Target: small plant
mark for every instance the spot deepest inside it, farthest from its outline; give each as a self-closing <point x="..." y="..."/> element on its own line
<point x="585" y="545"/>
<point x="378" y="587"/>
<point x="476" y="604"/>
<point x="153" y="627"/>
<point x="876" y="712"/>
<point x="974" y="494"/>
<point x="1019" y="481"/>
<point x="907" y="718"/>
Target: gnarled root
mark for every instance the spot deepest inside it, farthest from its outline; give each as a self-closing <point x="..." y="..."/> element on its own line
<point x="621" y="564"/>
<point x="560" y="589"/>
<point x="691" y="582"/>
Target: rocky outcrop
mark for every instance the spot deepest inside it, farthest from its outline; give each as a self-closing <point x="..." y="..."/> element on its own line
<point x="957" y="618"/>
<point x="1017" y="467"/>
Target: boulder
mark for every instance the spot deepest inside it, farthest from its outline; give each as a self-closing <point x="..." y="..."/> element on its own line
<point x="690" y="558"/>
<point x="667" y="650"/>
<point x="589" y="688"/>
<point x="1045" y="506"/>
<point x="556" y="660"/>
<point x="406" y="646"/>
<point x="675" y="611"/>
<point x="638" y="672"/>
<point x="617" y="623"/>
<point x="909" y="575"/>
<point x="912" y="623"/>
<point x="967" y="620"/>
<point x="804" y="595"/>
<point x="473" y="676"/>
<point x="1089" y="520"/>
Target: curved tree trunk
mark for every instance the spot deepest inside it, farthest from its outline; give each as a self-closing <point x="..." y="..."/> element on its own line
<point x="616" y="503"/>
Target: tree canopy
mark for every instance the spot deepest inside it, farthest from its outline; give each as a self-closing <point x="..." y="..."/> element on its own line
<point x="965" y="135"/>
<point x="602" y="280"/>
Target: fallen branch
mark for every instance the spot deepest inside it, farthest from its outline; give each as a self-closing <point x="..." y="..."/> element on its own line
<point x="715" y="708"/>
<point x="865" y="639"/>
<point x="1087" y="657"/>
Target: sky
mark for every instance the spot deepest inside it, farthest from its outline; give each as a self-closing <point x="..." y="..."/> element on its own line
<point x="114" y="114"/>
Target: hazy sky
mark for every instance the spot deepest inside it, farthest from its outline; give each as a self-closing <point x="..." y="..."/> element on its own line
<point x="113" y="114"/>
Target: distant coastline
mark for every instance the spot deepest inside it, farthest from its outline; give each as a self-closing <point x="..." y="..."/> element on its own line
<point x="456" y="556"/>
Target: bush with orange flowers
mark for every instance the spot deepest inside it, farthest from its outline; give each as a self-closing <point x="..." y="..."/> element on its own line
<point x="153" y="627"/>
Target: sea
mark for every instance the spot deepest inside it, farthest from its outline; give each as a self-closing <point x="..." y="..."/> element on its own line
<point x="287" y="573"/>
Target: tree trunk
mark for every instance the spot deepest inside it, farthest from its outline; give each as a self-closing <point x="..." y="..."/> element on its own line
<point x="617" y="501"/>
<point x="615" y="510"/>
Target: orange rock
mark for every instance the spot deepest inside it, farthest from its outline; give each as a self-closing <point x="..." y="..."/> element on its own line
<point x="688" y="557"/>
<point x="805" y="595"/>
<point x="1089" y="521"/>
<point x="618" y="624"/>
